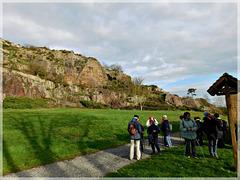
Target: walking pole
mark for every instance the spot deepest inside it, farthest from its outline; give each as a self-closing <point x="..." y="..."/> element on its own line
<point x="200" y="148"/>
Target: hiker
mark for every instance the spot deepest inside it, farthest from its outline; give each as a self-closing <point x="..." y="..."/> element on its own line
<point x="224" y="128"/>
<point x="220" y="143"/>
<point x="210" y="127"/>
<point x="166" y="131"/>
<point x="164" y="138"/>
<point x="153" y="130"/>
<point x="154" y="120"/>
<point x="134" y="129"/>
<point x="141" y="140"/>
<point x="189" y="127"/>
<point x="199" y="131"/>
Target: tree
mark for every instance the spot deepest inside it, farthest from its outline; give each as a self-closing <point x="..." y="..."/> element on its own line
<point x="219" y="101"/>
<point x="142" y="93"/>
<point x="192" y="92"/>
<point x="113" y="67"/>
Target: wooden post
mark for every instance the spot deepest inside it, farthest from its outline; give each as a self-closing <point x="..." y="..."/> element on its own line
<point x="232" y="129"/>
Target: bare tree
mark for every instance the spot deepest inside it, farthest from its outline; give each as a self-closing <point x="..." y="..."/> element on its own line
<point x="138" y="80"/>
<point x="206" y="97"/>
<point x="113" y="67"/>
<point x="219" y="101"/>
<point x="140" y="91"/>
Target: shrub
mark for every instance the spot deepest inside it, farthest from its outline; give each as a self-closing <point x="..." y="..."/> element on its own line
<point x="224" y="110"/>
<point x="94" y="105"/>
<point x="23" y="103"/>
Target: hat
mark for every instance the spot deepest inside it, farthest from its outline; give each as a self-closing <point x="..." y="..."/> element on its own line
<point x="216" y="115"/>
<point x="205" y="113"/>
<point x="136" y="116"/>
<point x="150" y="117"/>
<point x="164" y="117"/>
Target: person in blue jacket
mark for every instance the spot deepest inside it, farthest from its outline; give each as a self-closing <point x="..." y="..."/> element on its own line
<point x="135" y="138"/>
<point x="166" y="131"/>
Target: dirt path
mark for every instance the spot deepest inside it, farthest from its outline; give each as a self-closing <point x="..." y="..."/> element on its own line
<point x="93" y="165"/>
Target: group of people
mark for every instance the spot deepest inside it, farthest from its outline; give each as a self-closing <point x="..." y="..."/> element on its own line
<point x="136" y="136"/>
<point x="192" y="131"/>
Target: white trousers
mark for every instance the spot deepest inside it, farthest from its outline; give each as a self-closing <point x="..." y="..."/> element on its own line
<point x="137" y="144"/>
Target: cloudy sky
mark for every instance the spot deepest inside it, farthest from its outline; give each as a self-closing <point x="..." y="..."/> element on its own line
<point x="175" y="46"/>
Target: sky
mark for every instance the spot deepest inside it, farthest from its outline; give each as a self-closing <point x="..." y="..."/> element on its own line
<point x="175" y="46"/>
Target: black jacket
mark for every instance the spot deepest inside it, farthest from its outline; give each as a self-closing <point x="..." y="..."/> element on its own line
<point x="154" y="130"/>
<point x="211" y="128"/>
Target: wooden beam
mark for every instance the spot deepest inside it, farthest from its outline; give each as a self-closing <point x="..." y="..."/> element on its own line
<point x="232" y="129"/>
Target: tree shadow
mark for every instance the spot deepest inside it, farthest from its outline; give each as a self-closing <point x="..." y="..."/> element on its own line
<point x="40" y="148"/>
<point x="8" y="157"/>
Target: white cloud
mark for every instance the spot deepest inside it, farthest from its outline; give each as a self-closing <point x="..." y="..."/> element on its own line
<point x="164" y="42"/>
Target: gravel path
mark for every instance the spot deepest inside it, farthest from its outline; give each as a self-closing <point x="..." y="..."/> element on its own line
<point x="93" y="165"/>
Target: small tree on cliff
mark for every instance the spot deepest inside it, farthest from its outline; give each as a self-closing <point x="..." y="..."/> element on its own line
<point x="192" y="92"/>
<point x="142" y="93"/>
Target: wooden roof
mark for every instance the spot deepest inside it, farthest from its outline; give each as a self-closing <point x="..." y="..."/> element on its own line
<point x="226" y="83"/>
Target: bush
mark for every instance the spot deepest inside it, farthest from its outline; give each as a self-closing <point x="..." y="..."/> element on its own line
<point x="224" y="110"/>
<point x="94" y="105"/>
<point x="23" y="103"/>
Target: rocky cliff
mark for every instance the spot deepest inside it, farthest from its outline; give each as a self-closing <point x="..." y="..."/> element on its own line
<point x="67" y="78"/>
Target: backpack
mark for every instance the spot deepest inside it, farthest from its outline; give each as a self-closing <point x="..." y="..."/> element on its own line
<point x="132" y="129"/>
<point x="150" y="139"/>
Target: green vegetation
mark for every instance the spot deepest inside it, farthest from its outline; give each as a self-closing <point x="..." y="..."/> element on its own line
<point x="40" y="136"/>
<point x="172" y="164"/>
<point x="23" y="103"/>
<point x="204" y="102"/>
<point x="94" y="105"/>
<point x="224" y="110"/>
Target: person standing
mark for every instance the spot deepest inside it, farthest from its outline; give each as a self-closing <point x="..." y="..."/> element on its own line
<point x="154" y="120"/>
<point x="199" y="131"/>
<point x="189" y="127"/>
<point x="141" y="140"/>
<point x="135" y="138"/>
<point x="166" y="131"/>
<point x="154" y="130"/>
<point x="210" y="127"/>
<point x="220" y="143"/>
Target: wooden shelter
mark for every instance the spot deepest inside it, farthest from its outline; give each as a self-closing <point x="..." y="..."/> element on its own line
<point x="227" y="85"/>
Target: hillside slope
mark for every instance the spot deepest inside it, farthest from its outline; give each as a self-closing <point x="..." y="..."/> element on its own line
<point x="66" y="78"/>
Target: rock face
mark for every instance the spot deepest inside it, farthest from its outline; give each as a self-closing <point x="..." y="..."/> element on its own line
<point x="178" y="101"/>
<point x="20" y="84"/>
<point x="60" y="75"/>
<point x="68" y="78"/>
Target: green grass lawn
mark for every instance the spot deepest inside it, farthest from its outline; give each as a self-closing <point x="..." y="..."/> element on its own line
<point x="172" y="163"/>
<point x="40" y="136"/>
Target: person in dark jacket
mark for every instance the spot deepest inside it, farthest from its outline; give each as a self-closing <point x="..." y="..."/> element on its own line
<point x="199" y="131"/>
<point x="154" y="130"/>
<point x="164" y="137"/>
<point x="220" y="143"/>
<point x="135" y="138"/>
<point x="211" y="125"/>
<point x="166" y="131"/>
<point x="141" y="140"/>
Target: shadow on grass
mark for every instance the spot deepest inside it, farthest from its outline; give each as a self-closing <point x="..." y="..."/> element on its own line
<point x="41" y="150"/>
<point x="8" y="157"/>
